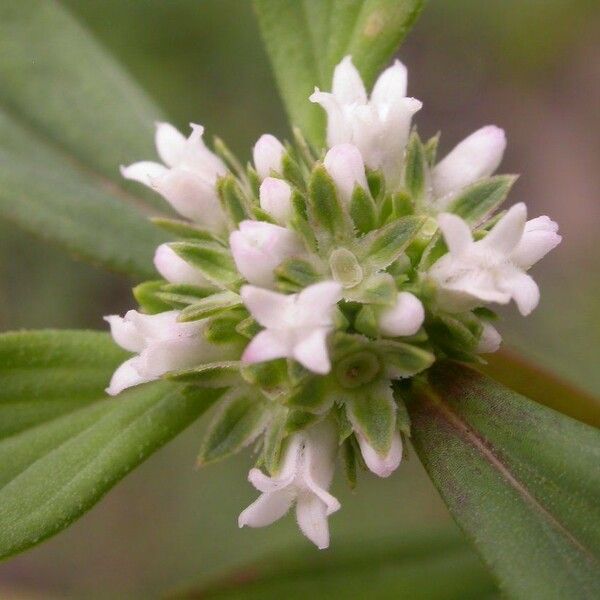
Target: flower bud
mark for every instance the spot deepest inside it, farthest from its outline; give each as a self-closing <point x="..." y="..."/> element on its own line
<point x="477" y="156"/>
<point x="276" y="199"/>
<point x="490" y="339"/>
<point x="258" y="248"/>
<point x="404" y="318"/>
<point x="345" y="165"/>
<point x="267" y="154"/>
<point x="382" y="466"/>
<point x="176" y="270"/>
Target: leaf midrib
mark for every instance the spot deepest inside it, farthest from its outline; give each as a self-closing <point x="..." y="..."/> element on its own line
<point x="471" y="437"/>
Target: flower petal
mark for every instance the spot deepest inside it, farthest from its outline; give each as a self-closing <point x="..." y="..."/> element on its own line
<point x="382" y="466"/>
<point x="490" y="339"/>
<point x="507" y="232"/>
<point x="276" y="198"/>
<point x="269" y="308"/>
<point x="170" y="144"/>
<point x="266" y="345"/>
<point x="176" y="270"/>
<point x="457" y="233"/>
<point x="477" y="156"/>
<point x="345" y="165"/>
<point x="404" y="318"/>
<point x="267" y="155"/>
<point x="267" y="509"/>
<point x="320" y="298"/>
<point x="525" y="292"/>
<point x="391" y="85"/>
<point x="125" y="333"/>
<point x="339" y="129"/>
<point x="311" y="514"/>
<point x="312" y="353"/>
<point x="348" y="86"/>
<point x="126" y="376"/>
<point x="539" y="237"/>
<point x="146" y="172"/>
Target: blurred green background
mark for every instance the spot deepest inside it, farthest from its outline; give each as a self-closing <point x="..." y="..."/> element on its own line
<point x="531" y="66"/>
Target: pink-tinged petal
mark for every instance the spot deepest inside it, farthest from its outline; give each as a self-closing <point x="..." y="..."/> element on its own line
<point x="525" y="292"/>
<point x="267" y="155"/>
<point x="266" y="345"/>
<point x="456" y="232"/>
<point x="391" y="85"/>
<point x="404" y="318"/>
<point x="251" y="262"/>
<point x="490" y="339"/>
<point x="382" y="466"/>
<point x="146" y="172"/>
<point x="267" y="509"/>
<point x="126" y="376"/>
<point x="339" y="129"/>
<point x="345" y="165"/>
<point x="320" y="297"/>
<point x="170" y="144"/>
<point x="193" y="197"/>
<point x="159" y="326"/>
<point x="312" y="353"/>
<point x="477" y="156"/>
<point x="125" y="333"/>
<point x="507" y="232"/>
<point x="176" y="270"/>
<point x="276" y="198"/>
<point x="199" y="159"/>
<point x="539" y="237"/>
<point x="311" y="514"/>
<point x="348" y="87"/>
<point x="269" y="308"/>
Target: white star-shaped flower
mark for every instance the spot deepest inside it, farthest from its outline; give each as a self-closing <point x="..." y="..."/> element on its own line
<point x="380" y="125"/>
<point x="305" y="475"/>
<point x="492" y="269"/>
<point x="188" y="176"/>
<point x="297" y="325"/>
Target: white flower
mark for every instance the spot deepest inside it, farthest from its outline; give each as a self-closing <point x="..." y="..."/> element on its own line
<point x="382" y="466"/>
<point x="347" y="169"/>
<point x="162" y="344"/>
<point x="379" y="127"/>
<point x="490" y="339"/>
<point x="267" y="154"/>
<point x="187" y="182"/>
<point x="259" y="247"/>
<point x="296" y="325"/>
<point x="304" y="478"/>
<point x="492" y="269"/>
<point x="176" y="270"/>
<point x="276" y="198"/>
<point x="476" y="157"/>
<point x="404" y="318"/>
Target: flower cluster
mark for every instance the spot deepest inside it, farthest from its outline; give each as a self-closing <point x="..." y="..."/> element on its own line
<point x="306" y="285"/>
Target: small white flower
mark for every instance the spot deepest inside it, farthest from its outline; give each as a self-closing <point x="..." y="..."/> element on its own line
<point x="404" y="318"/>
<point x="162" y="344"/>
<point x="267" y="154"/>
<point x="382" y="466"/>
<point x="476" y="157"/>
<point x="490" y="339"/>
<point x="297" y="325"/>
<point x="187" y="182"/>
<point x="259" y="247"/>
<point x="176" y="270"/>
<point x="347" y="169"/>
<point x="276" y="198"/>
<point x="379" y="127"/>
<point x="492" y="269"/>
<point x="305" y="476"/>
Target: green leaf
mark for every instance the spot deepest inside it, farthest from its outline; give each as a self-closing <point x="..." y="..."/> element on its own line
<point x="186" y="230"/>
<point x="482" y="198"/>
<point x="382" y="246"/>
<point x="232" y="199"/>
<point x="63" y="442"/>
<point x="147" y="295"/>
<point x="402" y="359"/>
<point x="69" y="116"/>
<point x="211" y="305"/>
<point x="373" y="413"/>
<point x="238" y="421"/>
<point x="427" y="566"/>
<point x="541" y="385"/>
<point x="305" y="39"/>
<point x="212" y="375"/>
<point x="415" y="171"/>
<point x="313" y="396"/>
<point x="520" y="479"/>
<point x="212" y="260"/>
<point x="363" y="210"/>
